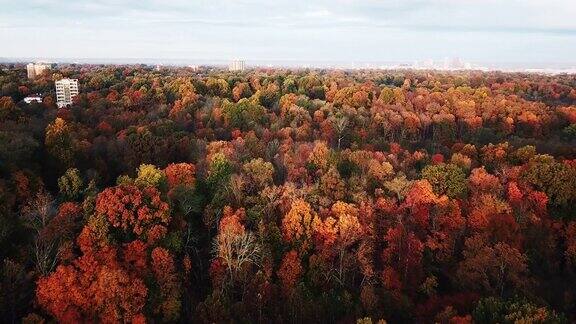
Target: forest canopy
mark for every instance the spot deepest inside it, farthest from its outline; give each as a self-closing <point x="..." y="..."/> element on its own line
<point x="289" y="196"/>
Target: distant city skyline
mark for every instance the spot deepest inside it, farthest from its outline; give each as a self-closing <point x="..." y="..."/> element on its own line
<point x="448" y="63"/>
<point x="515" y="31"/>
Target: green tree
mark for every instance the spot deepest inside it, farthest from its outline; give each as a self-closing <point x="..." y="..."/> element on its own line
<point x="569" y="132"/>
<point x="556" y="179"/>
<point x="70" y="184"/>
<point x="150" y="176"/>
<point x="7" y="108"/>
<point x="245" y="114"/>
<point x="219" y="171"/>
<point x="59" y="142"/>
<point x="218" y="87"/>
<point x="259" y="173"/>
<point x="495" y="310"/>
<point x="446" y="179"/>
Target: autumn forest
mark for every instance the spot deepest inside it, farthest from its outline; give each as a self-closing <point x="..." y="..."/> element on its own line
<point x="181" y="195"/>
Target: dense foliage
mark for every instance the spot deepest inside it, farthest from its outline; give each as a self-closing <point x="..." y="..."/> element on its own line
<point x="180" y="195"/>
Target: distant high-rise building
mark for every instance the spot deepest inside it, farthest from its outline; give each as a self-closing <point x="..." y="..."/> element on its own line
<point x="237" y="65"/>
<point x="66" y="90"/>
<point x="35" y="69"/>
<point x="456" y="64"/>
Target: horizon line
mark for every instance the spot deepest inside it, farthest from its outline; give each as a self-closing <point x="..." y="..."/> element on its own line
<point x="495" y="66"/>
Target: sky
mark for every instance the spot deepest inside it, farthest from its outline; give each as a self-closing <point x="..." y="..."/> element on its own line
<point x="299" y="30"/>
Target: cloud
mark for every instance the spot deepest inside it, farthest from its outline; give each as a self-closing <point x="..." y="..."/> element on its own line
<point x="320" y="29"/>
<point x="444" y="15"/>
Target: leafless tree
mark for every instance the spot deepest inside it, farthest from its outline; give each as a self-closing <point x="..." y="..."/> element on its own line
<point x="37" y="214"/>
<point x="45" y="255"/>
<point x="340" y="125"/>
<point x="237" y="250"/>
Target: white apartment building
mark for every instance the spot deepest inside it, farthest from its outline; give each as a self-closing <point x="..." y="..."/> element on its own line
<point x="66" y="90"/>
<point x="35" y="69"/>
<point x="237" y="65"/>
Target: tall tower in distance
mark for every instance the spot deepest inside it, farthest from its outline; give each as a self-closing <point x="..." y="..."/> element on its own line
<point x="66" y="90"/>
<point x="35" y="69"/>
<point x="237" y="65"/>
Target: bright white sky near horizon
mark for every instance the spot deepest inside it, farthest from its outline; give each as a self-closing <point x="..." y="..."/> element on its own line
<point x="304" y="30"/>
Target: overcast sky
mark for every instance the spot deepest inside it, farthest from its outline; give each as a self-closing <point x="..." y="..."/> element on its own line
<point x="306" y="30"/>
